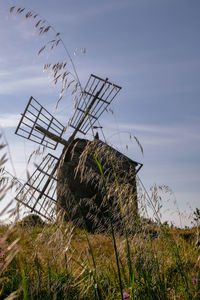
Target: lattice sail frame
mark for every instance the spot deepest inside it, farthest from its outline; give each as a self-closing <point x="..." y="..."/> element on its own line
<point x="30" y="194"/>
<point x="106" y="96"/>
<point x="36" y="114"/>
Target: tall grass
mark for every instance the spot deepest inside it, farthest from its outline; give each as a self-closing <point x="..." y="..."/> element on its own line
<point x="42" y="270"/>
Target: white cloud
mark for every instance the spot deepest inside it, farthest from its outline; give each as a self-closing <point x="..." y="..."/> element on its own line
<point x="22" y="84"/>
<point x="23" y="78"/>
<point x="9" y="120"/>
<point x="157" y="134"/>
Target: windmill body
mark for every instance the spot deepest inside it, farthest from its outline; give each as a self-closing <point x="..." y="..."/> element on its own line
<point x="89" y="177"/>
<point x="86" y="195"/>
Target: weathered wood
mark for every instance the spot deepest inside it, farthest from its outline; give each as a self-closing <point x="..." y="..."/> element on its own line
<point x="89" y="198"/>
<point x="87" y="112"/>
<point x="52" y="136"/>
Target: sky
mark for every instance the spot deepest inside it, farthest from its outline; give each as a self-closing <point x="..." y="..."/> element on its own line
<point x="151" y="48"/>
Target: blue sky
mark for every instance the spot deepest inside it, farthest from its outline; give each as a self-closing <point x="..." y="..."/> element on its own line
<point x="149" y="47"/>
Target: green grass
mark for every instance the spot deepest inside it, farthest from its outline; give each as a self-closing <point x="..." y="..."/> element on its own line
<point x="55" y="262"/>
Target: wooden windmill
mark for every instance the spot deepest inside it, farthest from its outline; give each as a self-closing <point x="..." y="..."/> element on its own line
<point x="69" y="180"/>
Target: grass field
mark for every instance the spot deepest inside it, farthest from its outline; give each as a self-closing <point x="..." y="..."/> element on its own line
<point x="61" y="262"/>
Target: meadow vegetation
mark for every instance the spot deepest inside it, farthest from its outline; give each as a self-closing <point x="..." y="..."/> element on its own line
<point x="58" y="261"/>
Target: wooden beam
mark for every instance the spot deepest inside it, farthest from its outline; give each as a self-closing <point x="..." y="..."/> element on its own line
<point x="87" y="111"/>
<point x="52" y="136"/>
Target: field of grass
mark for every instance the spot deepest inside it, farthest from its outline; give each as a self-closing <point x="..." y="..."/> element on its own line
<point x="61" y="262"/>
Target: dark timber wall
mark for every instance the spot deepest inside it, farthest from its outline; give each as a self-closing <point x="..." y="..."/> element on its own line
<point x="94" y="182"/>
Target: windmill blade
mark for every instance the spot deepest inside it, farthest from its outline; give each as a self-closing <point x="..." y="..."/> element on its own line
<point x="31" y="194"/>
<point x="36" y="115"/>
<point x="87" y="104"/>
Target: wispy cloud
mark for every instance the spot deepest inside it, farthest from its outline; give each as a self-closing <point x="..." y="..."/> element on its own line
<point x="23" y="79"/>
<point x="180" y="130"/>
<point x="9" y="120"/>
<point x="23" y="84"/>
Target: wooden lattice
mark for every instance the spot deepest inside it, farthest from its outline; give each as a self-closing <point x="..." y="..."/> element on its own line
<point x="108" y="91"/>
<point x="31" y="193"/>
<point x="36" y="115"/>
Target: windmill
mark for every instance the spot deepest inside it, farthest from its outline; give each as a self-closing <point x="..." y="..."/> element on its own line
<point x="69" y="180"/>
